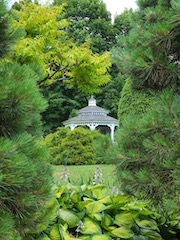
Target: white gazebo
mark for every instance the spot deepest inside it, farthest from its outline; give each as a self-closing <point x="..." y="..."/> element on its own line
<point x="93" y="117"/>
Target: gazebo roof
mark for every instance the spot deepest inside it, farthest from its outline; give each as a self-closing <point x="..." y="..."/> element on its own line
<point x="92" y="113"/>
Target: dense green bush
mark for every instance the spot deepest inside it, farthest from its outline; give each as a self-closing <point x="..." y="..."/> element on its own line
<point x="134" y="101"/>
<point x="148" y="160"/>
<point x="80" y="146"/>
<point x="101" y="144"/>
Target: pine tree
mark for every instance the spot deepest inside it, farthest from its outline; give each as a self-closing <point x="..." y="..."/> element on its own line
<point x="147" y="142"/>
<point x="25" y="178"/>
<point x="150" y="51"/>
<point x="150" y="152"/>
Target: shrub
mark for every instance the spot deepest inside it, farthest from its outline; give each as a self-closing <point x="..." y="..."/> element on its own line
<point x="73" y="147"/>
<point x="134" y="101"/>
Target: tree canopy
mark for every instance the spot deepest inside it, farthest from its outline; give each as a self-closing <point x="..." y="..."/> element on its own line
<point x="89" y="20"/>
<point x="45" y="46"/>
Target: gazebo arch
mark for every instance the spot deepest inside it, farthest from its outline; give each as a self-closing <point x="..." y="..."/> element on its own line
<point x="92" y="116"/>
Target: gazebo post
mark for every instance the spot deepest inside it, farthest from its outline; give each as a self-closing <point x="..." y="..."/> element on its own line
<point x="72" y="127"/>
<point x="112" y="127"/>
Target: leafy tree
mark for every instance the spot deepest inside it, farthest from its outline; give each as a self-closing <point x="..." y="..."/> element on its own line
<point x="89" y="19"/>
<point x="122" y="23"/>
<point x="62" y="103"/>
<point x="45" y="46"/>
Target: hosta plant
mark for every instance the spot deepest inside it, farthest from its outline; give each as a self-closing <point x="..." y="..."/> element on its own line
<point x="92" y="212"/>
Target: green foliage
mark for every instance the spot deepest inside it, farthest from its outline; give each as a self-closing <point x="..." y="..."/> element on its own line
<point x="101" y="145"/>
<point x="149" y="53"/>
<point x="62" y="102"/>
<point x="71" y="147"/>
<point x="80" y="146"/>
<point x="25" y="178"/>
<point x="149" y="148"/>
<point x="24" y="181"/>
<point x="122" y="23"/>
<point x="20" y="100"/>
<point x="89" y="20"/>
<point x="93" y="212"/>
<point x="4" y="38"/>
<point x="135" y="101"/>
<point x="44" y="45"/>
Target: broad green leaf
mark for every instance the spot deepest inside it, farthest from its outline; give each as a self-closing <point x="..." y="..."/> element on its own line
<point x="145" y="212"/>
<point x="83" y="187"/>
<point x="99" y="191"/>
<point x="111" y="228"/>
<point x="106" y="220"/>
<point x="75" y="197"/>
<point x="147" y="224"/>
<point x="151" y="235"/>
<point x="97" y="216"/>
<point x="81" y="214"/>
<point x="90" y="227"/>
<point x="101" y="237"/>
<point x="106" y="200"/>
<point x="81" y="205"/>
<point x="64" y="198"/>
<point x="54" y="233"/>
<point x="44" y="237"/>
<point x="120" y="199"/>
<point x="125" y="219"/>
<point x="123" y="232"/>
<point x="85" y="237"/>
<point x="95" y="207"/>
<point x="69" y="217"/>
<point x="60" y="191"/>
<point x="137" y="205"/>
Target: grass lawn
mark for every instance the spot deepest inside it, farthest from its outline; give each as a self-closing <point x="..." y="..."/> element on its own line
<point x="85" y="173"/>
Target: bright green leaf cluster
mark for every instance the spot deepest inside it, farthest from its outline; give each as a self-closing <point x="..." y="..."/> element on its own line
<point x="45" y="46"/>
<point x="92" y="213"/>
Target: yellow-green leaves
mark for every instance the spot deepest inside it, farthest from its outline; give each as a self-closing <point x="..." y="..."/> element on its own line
<point x="86" y="217"/>
<point x="125" y="219"/>
<point x="55" y="233"/>
<point x="95" y="207"/>
<point x="98" y="192"/>
<point x="101" y="237"/>
<point x="90" y="227"/>
<point x="69" y="217"/>
<point x="123" y="233"/>
<point x="44" y="45"/>
<point x="147" y="224"/>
